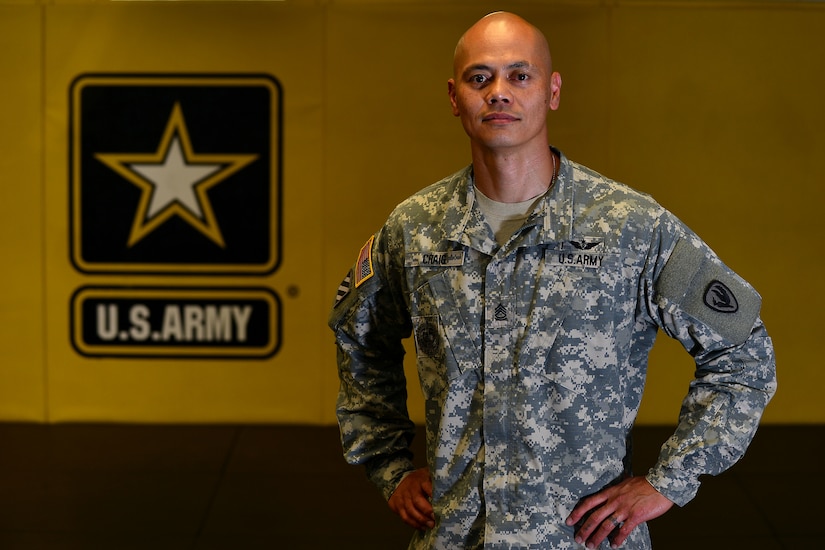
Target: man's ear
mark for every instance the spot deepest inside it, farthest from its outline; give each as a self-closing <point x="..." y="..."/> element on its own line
<point x="452" y="91"/>
<point x="555" y="91"/>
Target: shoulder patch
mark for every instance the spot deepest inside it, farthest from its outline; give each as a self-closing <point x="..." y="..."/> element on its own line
<point x="719" y="298"/>
<point x="363" y="267"/>
<point x="343" y="288"/>
<point x="709" y="292"/>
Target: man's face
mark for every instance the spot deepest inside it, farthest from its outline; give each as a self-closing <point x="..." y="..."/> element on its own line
<point x="503" y="87"/>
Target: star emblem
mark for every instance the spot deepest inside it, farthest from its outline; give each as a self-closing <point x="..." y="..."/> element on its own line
<point x="174" y="181"/>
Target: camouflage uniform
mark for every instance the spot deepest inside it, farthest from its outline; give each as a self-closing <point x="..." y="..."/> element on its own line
<point x="532" y="356"/>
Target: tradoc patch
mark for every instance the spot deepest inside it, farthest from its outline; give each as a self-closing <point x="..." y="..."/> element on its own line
<point x="363" y="267"/>
<point x="719" y="297"/>
<point x="708" y="291"/>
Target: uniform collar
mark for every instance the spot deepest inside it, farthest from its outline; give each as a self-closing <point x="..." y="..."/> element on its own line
<point x="555" y="212"/>
<point x="552" y="218"/>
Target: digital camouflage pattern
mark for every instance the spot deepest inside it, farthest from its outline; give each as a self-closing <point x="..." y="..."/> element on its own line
<point x="532" y="356"/>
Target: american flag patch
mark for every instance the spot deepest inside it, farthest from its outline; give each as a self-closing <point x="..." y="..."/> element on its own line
<point x="363" y="267"/>
<point x="343" y="288"/>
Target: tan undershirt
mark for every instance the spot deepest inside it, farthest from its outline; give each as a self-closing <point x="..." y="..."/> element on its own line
<point x="505" y="217"/>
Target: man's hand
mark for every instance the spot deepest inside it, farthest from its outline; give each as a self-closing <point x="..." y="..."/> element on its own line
<point x="617" y="510"/>
<point x="411" y="500"/>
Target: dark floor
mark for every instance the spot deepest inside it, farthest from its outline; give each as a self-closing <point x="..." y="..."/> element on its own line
<point x="117" y="487"/>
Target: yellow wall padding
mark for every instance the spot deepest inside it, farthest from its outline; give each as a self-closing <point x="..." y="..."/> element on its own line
<point x="714" y="108"/>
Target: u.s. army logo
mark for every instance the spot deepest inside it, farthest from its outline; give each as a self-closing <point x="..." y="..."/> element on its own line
<point x="175" y="322"/>
<point x="175" y="174"/>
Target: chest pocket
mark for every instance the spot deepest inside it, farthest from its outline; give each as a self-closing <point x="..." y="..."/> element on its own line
<point x="445" y="346"/>
<point x="571" y="325"/>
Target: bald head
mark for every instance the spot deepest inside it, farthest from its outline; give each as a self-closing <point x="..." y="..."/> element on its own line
<point x="503" y="88"/>
<point x="496" y="31"/>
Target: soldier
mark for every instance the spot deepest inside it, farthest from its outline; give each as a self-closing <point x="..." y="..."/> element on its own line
<point x="534" y="289"/>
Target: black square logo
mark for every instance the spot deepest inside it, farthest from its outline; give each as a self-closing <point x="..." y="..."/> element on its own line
<point x="175" y="174"/>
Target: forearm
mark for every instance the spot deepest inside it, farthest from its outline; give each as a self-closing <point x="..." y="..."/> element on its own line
<point x="376" y="430"/>
<point x="719" y="416"/>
